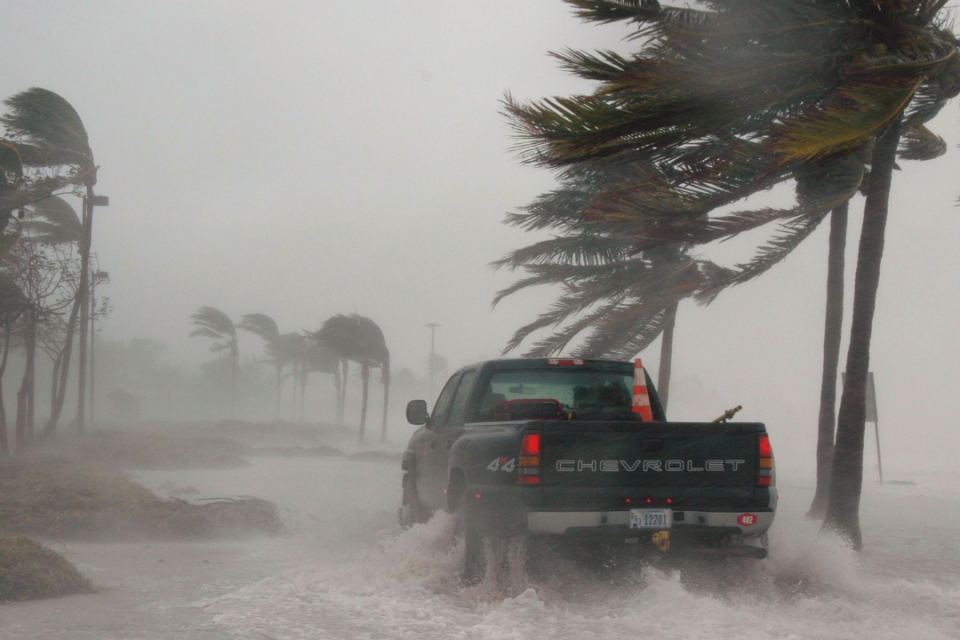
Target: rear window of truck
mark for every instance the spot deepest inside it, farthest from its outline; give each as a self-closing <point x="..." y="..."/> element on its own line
<point x="584" y="393"/>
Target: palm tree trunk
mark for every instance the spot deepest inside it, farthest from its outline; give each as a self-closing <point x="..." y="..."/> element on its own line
<point x="234" y="365"/>
<point x="279" y="389"/>
<point x="337" y="383"/>
<point x="93" y="335"/>
<point x="666" y="354"/>
<point x="4" y="438"/>
<point x="55" y="378"/>
<point x="343" y="392"/>
<point x="23" y="396"/>
<point x="293" y="393"/>
<point x="304" y="375"/>
<point x="843" y="506"/>
<point x="56" y="406"/>
<point x="83" y="293"/>
<point x="832" y="331"/>
<point x="32" y="386"/>
<point x="386" y="401"/>
<point x="365" y="376"/>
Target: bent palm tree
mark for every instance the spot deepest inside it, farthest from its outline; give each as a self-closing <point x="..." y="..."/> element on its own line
<point x="216" y="325"/>
<point x="359" y="339"/>
<point x="721" y="102"/>
<point x="266" y="328"/>
<point x="52" y="135"/>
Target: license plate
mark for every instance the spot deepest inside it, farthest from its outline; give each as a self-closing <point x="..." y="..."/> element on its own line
<point x="651" y="518"/>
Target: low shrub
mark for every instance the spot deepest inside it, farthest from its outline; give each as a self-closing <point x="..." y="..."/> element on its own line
<point x="29" y="571"/>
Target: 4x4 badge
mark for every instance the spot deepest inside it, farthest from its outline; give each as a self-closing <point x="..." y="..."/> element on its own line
<point x="502" y="464"/>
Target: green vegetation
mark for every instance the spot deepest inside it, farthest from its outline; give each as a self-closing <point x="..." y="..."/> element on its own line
<point x="57" y="498"/>
<point x="29" y="571"/>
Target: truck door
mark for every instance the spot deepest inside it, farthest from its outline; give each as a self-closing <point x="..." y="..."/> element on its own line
<point x="427" y="450"/>
<point x="449" y="431"/>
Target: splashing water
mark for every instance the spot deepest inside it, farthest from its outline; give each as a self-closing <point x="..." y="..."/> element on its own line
<point x="405" y="584"/>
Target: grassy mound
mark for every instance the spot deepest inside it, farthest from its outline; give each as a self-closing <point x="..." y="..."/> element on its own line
<point x="29" y="571"/>
<point x="130" y="450"/>
<point x="59" y="498"/>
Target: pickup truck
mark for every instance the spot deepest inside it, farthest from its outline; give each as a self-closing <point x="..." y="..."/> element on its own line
<point x="552" y="447"/>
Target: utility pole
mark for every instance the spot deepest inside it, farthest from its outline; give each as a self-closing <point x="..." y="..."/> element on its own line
<point x="98" y="277"/>
<point x="433" y="328"/>
<point x="89" y="202"/>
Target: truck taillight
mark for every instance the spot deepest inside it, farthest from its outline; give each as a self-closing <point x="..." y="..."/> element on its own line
<point x="529" y="460"/>
<point x="766" y="475"/>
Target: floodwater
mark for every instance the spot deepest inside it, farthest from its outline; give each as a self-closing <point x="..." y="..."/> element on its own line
<point x="346" y="571"/>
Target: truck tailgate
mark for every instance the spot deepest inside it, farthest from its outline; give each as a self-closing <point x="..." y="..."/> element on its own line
<point x="670" y="455"/>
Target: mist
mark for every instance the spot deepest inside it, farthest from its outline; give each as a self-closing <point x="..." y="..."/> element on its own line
<point x="303" y="160"/>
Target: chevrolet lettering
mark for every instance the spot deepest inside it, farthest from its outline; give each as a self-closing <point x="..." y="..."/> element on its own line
<point x="649" y="465"/>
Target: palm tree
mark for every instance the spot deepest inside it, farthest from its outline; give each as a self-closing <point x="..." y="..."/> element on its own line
<point x="216" y="325"/>
<point x="725" y="101"/>
<point x="266" y="328"/>
<point x="311" y="356"/>
<point x="359" y="339"/>
<point x="51" y="134"/>
<point x="625" y="298"/>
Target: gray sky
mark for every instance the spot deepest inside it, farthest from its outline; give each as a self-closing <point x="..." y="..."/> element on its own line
<point x="302" y="159"/>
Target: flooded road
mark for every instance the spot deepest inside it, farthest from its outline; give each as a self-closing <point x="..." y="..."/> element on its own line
<point x="347" y="571"/>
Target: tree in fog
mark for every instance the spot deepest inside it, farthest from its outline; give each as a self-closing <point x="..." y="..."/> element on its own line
<point x="51" y="137"/>
<point x="723" y="102"/>
<point x="309" y="356"/>
<point x="53" y="222"/>
<point x="48" y="277"/>
<point x="216" y="325"/>
<point x="266" y="328"/>
<point x="359" y="339"/>
<point x="12" y="304"/>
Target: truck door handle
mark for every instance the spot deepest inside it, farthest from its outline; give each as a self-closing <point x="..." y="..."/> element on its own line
<point x="433" y="444"/>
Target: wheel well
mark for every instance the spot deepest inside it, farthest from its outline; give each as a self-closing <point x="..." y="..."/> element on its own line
<point x="455" y="489"/>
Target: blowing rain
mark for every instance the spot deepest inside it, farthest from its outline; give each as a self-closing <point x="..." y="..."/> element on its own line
<point x="554" y="319"/>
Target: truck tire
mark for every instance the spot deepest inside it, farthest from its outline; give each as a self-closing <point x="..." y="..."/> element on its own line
<point x="411" y="511"/>
<point x="475" y="561"/>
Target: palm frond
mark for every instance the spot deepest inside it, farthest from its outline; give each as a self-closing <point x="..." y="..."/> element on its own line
<point x="260" y="325"/>
<point x="919" y="143"/>
<point x="50" y="121"/>
<point x="787" y="238"/>
<point x="53" y="221"/>
<point x="858" y="113"/>
<point x="213" y="323"/>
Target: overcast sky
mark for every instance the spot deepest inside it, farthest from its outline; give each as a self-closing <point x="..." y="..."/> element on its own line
<point x="302" y="159"/>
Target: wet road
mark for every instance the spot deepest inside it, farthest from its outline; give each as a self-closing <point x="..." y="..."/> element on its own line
<point x="346" y="571"/>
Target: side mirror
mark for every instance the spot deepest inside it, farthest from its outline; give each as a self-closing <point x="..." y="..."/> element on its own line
<point x="417" y="412"/>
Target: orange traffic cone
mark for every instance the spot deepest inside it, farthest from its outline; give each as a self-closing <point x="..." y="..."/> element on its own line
<point x="641" y="399"/>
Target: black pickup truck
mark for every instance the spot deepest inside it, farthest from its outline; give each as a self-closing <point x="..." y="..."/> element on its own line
<point x="552" y="447"/>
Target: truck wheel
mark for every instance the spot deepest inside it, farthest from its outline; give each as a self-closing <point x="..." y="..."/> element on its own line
<point x="475" y="564"/>
<point x="411" y="512"/>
